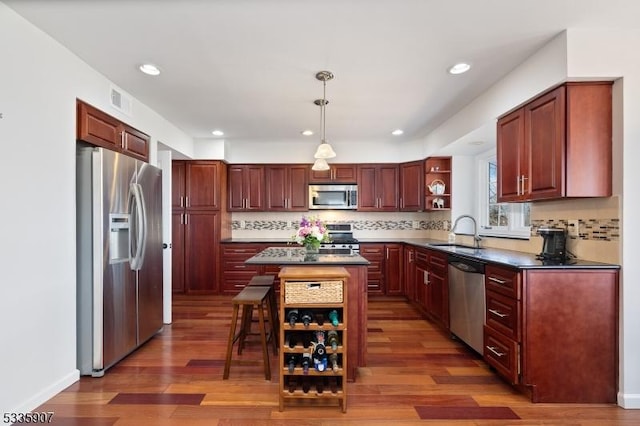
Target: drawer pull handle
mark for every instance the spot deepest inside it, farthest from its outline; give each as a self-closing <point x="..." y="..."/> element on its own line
<point x="498" y="313"/>
<point x="495" y="352"/>
<point x="495" y="280"/>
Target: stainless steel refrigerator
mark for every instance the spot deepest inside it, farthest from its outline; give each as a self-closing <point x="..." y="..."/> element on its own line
<point x="119" y="256"/>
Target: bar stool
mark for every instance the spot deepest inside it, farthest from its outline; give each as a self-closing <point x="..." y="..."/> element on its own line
<point x="268" y="281"/>
<point x="249" y="298"/>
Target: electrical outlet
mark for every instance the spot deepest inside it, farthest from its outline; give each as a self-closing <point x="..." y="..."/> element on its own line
<point x="573" y="228"/>
<point x="416" y="224"/>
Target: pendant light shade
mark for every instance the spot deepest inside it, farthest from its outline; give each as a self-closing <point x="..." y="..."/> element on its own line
<point x="324" y="150"/>
<point x="320" y="164"/>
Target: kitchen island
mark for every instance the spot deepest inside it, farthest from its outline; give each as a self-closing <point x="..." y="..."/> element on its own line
<point x="356" y="289"/>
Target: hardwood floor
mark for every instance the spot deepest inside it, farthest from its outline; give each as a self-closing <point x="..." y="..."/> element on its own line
<point x="416" y="374"/>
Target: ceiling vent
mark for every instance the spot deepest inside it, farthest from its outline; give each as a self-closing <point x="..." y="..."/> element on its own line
<point x="120" y="101"/>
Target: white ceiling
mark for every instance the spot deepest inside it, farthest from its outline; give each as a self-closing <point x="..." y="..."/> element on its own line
<point x="248" y="66"/>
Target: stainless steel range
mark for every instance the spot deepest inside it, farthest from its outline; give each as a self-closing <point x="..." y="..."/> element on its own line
<point x="342" y="240"/>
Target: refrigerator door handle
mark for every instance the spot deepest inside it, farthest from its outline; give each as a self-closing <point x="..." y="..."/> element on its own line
<point x="137" y="240"/>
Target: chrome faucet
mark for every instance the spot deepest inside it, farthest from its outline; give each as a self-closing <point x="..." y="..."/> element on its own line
<point x="476" y="237"/>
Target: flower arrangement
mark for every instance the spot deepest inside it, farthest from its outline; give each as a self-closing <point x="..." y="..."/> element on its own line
<point x="311" y="233"/>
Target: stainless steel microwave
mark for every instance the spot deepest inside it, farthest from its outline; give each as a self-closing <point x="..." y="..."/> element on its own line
<point x="333" y="197"/>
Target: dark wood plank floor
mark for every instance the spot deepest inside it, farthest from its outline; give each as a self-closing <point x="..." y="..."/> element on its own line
<point x="416" y="374"/>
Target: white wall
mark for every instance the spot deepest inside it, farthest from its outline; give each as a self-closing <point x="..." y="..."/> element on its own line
<point x="39" y="83"/>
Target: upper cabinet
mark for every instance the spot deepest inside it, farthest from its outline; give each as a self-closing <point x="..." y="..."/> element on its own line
<point x="246" y="187"/>
<point x="412" y="186"/>
<point x="198" y="185"/>
<point x="438" y="183"/>
<point x="101" y="129"/>
<point x="337" y="173"/>
<point x="557" y="145"/>
<point x="377" y="187"/>
<point x="287" y="187"/>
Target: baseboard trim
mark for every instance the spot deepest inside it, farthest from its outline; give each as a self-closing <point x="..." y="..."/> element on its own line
<point x="629" y="401"/>
<point x="47" y="393"/>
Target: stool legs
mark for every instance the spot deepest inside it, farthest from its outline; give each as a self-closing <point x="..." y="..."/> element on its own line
<point x="265" y="351"/>
<point x="232" y="334"/>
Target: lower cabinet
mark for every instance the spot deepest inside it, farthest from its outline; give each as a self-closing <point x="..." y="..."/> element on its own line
<point x="554" y="332"/>
<point x="235" y="274"/>
<point x="432" y="285"/>
<point x="196" y="236"/>
<point x="385" y="271"/>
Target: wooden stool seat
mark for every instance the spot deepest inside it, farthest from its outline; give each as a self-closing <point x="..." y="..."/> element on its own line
<point x="250" y="297"/>
<point x="261" y="280"/>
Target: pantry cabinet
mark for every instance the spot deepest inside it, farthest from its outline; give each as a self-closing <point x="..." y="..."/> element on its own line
<point x="557" y="145"/>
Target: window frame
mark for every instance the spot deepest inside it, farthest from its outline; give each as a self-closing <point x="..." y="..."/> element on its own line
<point x="516" y="228"/>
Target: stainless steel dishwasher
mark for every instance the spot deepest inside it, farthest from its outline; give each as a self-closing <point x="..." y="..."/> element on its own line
<point x="467" y="301"/>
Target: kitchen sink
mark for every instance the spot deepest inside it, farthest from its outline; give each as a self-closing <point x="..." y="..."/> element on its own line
<point x="462" y="246"/>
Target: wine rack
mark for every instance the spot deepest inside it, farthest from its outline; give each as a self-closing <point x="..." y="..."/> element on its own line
<point x="313" y="334"/>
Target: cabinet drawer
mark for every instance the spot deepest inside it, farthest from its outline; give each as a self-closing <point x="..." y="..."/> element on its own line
<point x="503" y="315"/>
<point x="238" y="265"/>
<point x="502" y="354"/>
<point x="231" y="250"/>
<point x="503" y="281"/>
<point x="438" y="262"/>
<point x="422" y="258"/>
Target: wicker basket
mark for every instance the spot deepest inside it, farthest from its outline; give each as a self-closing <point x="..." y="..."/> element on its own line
<point x="312" y="292"/>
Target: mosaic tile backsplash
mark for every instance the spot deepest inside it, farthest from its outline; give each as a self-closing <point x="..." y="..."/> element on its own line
<point x="589" y="229"/>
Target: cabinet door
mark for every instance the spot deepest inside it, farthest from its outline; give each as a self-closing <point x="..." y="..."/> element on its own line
<point x="202" y="185"/>
<point x="409" y="273"/>
<point x="374" y="253"/>
<point x="298" y="188"/>
<point x="367" y="195"/>
<point x="544" y="126"/>
<point x="177" y="252"/>
<point x="236" y="190"/>
<point x="201" y="247"/>
<point x="437" y="300"/>
<point x="387" y="187"/>
<point x="178" y="177"/>
<point x="421" y="280"/>
<point x="510" y="156"/>
<point x="97" y="127"/>
<point x="412" y="186"/>
<point x="393" y="272"/>
<point x="136" y="143"/>
<point x="276" y="189"/>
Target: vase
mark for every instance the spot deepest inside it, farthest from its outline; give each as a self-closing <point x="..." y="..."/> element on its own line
<point x="311" y="252"/>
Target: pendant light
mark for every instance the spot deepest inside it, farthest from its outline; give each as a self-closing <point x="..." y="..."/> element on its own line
<point x="324" y="150"/>
<point x="320" y="164"/>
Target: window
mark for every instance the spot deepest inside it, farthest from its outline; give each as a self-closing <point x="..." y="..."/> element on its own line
<point x="510" y="220"/>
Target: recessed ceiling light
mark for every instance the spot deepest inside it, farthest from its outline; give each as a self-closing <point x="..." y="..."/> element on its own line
<point x="150" y="69"/>
<point x="217" y="133"/>
<point x="397" y="132"/>
<point x="459" y="68"/>
<point x="307" y="132"/>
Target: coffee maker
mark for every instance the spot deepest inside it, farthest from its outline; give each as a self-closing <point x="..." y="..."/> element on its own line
<point x="554" y="245"/>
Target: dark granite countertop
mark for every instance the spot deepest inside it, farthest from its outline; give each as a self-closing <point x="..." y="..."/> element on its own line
<point x="510" y="258"/>
<point x="299" y="256"/>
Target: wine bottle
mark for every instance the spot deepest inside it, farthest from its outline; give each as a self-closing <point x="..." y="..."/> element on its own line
<point x="306" y="318"/>
<point x="306" y="362"/>
<point x="292" y="361"/>
<point x="292" y="317"/>
<point x="306" y="385"/>
<point x="292" y="383"/>
<point x="333" y="317"/>
<point x="319" y="318"/>
<point x="332" y="339"/>
<point x="333" y="359"/>
<point x="320" y="384"/>
<point x="333" y="384"/>
<point x="306" y="339"/>
<point x="291" y="340"/>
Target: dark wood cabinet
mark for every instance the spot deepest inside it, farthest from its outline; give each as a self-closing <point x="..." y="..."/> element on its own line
<point x="374" y="253"/>
<point x="412" y="186"/>
<point x="287" y="187"/>
<point x="438" y="179"/>
<point x="409" y="289"/>
<point x="437" y="297"/>
<point x="198" y="224"/>
<point x="557" y="145"/>
<point x="99" y="128"/>
<point x="235" y="273"/>
<point x="377" y="187"/>
<point x="393" y="269"/>
<point x="337" y="173"/>
<point x="246" y="187"/>
<point x="539" y="334"/>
